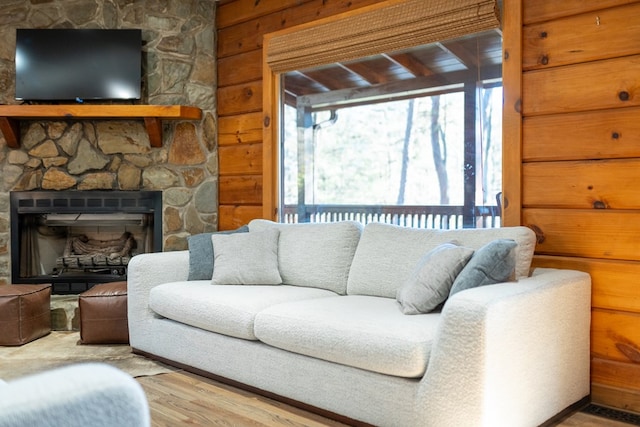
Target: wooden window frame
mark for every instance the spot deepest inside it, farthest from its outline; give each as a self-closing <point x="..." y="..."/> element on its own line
<point x="390" y="25"/>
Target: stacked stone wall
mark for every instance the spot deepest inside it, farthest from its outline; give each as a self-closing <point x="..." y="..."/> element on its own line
<point x="178" y="68"/>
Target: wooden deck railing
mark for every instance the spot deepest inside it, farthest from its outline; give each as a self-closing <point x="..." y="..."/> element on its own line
<point x="439" y="217"/>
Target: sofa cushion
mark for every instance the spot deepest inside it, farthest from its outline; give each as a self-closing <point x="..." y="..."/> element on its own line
<point x="315" y="255"/>
<point x="228" y="310"/>
<point x="364" y="332"/>
<point x="493" y="263"/>
<point x="201" y="253"/>
<point x="246" y="258"/>
<point x="431" y="280"/>
<point x="387" y="254"/>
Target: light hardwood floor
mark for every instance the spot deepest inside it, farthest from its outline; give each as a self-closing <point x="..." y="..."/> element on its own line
<point x="184" y="398"/>
<point x="587" y="420"/>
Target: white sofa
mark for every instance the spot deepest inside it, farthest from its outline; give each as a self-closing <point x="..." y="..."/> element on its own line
<point x="333" y="336"/>
<point x="79" y="395"/>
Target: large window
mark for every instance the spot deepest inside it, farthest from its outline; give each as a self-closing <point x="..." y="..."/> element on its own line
<point x="411" y="137"/>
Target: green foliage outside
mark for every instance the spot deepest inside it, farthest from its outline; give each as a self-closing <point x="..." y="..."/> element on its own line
<point x="358" y="160"/>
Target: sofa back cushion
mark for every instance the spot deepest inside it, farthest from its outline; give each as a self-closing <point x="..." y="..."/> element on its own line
<point x="246" y="258"/>
<point x="201" y="253"/>
<point x="315" y="255"/>
<point x="387" y="254"/>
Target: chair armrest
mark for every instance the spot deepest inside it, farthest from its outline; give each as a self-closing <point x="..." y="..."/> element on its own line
<point x="90" y="394"/>
<point x="513" y="353"/>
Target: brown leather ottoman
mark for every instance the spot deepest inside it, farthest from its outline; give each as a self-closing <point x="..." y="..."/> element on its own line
<point x="25" y="313"/>
<point x="103" y="314"/>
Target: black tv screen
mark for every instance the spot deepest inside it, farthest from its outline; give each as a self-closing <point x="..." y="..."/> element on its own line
<point x="78" y="64"/>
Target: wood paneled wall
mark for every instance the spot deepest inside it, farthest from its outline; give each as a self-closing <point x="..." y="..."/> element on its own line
<point x="241" y="26"/>
<point x="574" y="93"/>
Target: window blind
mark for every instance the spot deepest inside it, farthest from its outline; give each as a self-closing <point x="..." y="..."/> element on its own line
<point x="381" y="28"/>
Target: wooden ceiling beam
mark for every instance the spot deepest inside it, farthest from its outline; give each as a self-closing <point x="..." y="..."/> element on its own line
<point x="297" y="85"/>
<point x="366" y="73"/>
<point x="296" y="88"/>
<point x="468" y="59"/>
<point x="410" y="63"/>
<point x="327" y="80"/>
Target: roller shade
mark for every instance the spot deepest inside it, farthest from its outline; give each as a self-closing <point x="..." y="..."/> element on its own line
<point x="384" y="28"/>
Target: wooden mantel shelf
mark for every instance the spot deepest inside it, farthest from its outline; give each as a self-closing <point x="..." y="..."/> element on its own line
<point x="10" y="115"/>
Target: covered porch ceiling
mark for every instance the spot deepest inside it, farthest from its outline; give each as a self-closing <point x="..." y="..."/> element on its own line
<point x="422" y="69"/>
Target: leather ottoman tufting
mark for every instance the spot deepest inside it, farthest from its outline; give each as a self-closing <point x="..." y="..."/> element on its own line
<point x="25" y="313"/>
<point x="103" y="314"/>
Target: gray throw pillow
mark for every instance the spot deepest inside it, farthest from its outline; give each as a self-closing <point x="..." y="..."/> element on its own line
<point x="493" y="263"/>
<point x="201" y="254"/>
<point x="246" y="258"/>
<point x="429" y="284"/>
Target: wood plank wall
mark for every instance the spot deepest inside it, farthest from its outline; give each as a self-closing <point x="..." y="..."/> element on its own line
<point x="241" y="25"/>
<point x="574" y="173"/>
<point x="580" y="167"/>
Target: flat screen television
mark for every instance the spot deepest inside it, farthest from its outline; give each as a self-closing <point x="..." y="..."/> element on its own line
<point x="78" y="64"/>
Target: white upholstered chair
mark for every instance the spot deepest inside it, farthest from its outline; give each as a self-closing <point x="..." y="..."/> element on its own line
<point x="81" y="395"/>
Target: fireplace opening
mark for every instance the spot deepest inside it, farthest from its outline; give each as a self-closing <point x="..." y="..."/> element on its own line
<point x="77" y="239"/>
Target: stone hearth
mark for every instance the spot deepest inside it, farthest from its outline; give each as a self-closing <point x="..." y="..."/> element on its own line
<point x="64" y="313"/>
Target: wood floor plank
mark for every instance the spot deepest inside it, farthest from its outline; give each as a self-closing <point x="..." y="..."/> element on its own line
<point x="183" y="398"/>
<point x="587" y="420"/>
<point x="197" y="406"/>
<point x="246" y="408"/>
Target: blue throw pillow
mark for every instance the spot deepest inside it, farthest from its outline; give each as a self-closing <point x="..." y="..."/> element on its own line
<point x="429" y="284"/>
<point x="201" y="254"/>
<point x="493" y="263"/>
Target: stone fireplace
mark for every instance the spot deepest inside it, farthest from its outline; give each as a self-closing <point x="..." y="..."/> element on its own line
<point x="70" y="155"/>
<point x="76" y="239"/>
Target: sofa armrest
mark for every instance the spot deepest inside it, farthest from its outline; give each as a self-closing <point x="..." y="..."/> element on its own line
<point x="91" y="394"/>
<point x="527" y="339"/>
<point x="144" y="272"/>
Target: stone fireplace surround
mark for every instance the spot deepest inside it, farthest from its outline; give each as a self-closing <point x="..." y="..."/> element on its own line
<point x="106" y="155"/>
